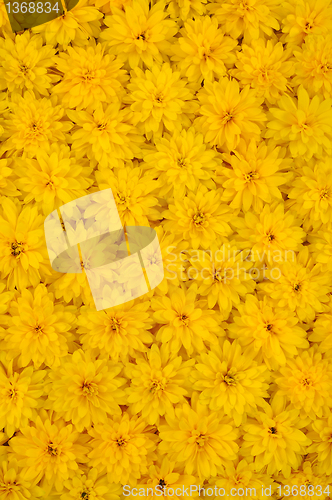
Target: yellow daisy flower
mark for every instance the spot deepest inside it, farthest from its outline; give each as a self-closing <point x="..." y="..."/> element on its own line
<point x="298" y="285"/>
<point x="322" y="333"/>
<point x="90" y="76"/>
<point x="134" y="193"/>
<point x="227" y="114"/>
<point x="13" y="484"/>
<point x="311" y="193"/>
<point x="124" y="446"/>
<point x="203" y="442"/>
<point x="275" y="440"/>
<point x="39" y="330"/>
<point x="255" y="175"/>
<point x="203" y="52"/>
<point x="53" y="178"/>
<point x="251" y="19"/>
<point x="222" y="276"/>
<point x="7" y="182"/>
<point x="231" y="381"/>
<point x="265" y="66"/>
<point x="71" y="287"/>
<point x="22" y="246"/>
<point x="76" y="26"/>
<point x="181" y="161"/>
<point x="140" y="33"/>
<point x="307" y="482"/>
<point x="313" y="65"/>
<point x="181" y="10"/>
<point x="305" y="17"/>
<point x="305" y="382"/>
<point x="272" y="236"/>
<point x="186" y="321"/>
<point x="33" y="124"/>
<point x="270" y="333"/>
<point x="26" y="64"/>
<point x="321" y="246"/>
<point x="91" y="485"/>
<point x="158" y="381"/>
<point x="303" y="124"/>
<point x="118" y="332"/>
<point x="49" y="451"/>
<point x="21" y="393"/>
<point x="105" y="134"/>
<point x="160" y="99"/>
<point x="322" y="443"/>
<point x="85" y="390"/>
<point x="200" y="217"/>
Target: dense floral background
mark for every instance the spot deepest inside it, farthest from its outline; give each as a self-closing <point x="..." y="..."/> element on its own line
<point x="212" y="123"/>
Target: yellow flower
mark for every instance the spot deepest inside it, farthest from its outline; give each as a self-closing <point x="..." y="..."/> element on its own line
<point x="275" y="440"/>
<point x="13" y="485"/>
<point x="322" y="443"/>
<point x="311" y="193"/>
<point x="321" y="247"/>
<point x="186" y="321"/>
<point x="306" y="383"/>
<point x="21" y="393"/>
<point x="303" y="124"/>
<point x="242" y="474"/>
<point x="106" y="135"/>
<point x="203" y="442"/>
<point x="231" y="381"/>
<point x="313" y="65"/>
<point x="265" y="66"/>
<point x="200" y="217"/>
<point x="53" y="178"/>
<point x="26" y="63"/>
<point x="185" y="9"/>
<point x="167" y="477"/>
<point x="71" y="287"/>
<point x="91" y="485"/>
<point x="90" y="76"/>
<point x="76" y="25"/>
<point x="39" y="330"/>
<point x="203" y="52"/>
<point x="124" y="446"/>
<point x="298" y="285"/>
<point x="181" y="161"/>
<point x="134" y="193"/>
<point x="117" y="332"/>
<point x="140" y="33"/>
<point x="49" y="451"/>
<point x="160" y="100"/>
<point x="272" y="235"/>
<point x="4" y="21"/>
<point x="322" y="333"/>
<point x="271" y="334"/>
<point x="158" y="381"/>
<point x="250" y="18"/>
<point x="227" y="114"/>
<point x="311" y="484"/>
<point x="22" y="245"/>
<point x="223" y="276"/>
<point x="33" y="124"/>
<point x="85" y="390"/>
<point x="305" y="17"/>
<point x="255" y="175"/>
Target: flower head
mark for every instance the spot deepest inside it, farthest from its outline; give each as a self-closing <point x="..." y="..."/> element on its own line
<point x="91" y="485"/>
<point x="139" y="33"/>
<point x="227" y="114"/>
<point x="321" y="436"/>
<point x="203" y="52"/>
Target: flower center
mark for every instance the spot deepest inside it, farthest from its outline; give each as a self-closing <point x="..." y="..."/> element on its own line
<point x="121" y="442"/>
<point x="200" y="440"/>
<point x="159" y="97"/>
<point x="297" y="287"/>
<point x="162" y="483"/>
<point x="250" y="176"/>
<point x="325" y="193"/>
<point x="12" y="393"/>
<point x="17" y="248"/>
<point x="102" y="126"/>
<point x="270" y="237"/>
<point x="24" y="69"/>
<point x="115" y="325"/>
<point x="269" y="327"/>
<point x="121" y="198"/>
<point x="306" y="382"/>
<point x="229" y="379"/>
<point x="226" y="118"/>
<point x="272" y="430"/>
<point x="199" y="219"/>
<point x="156" y="386"/>
<point x="87" y="388"/>
<point x="184" y="319"/>
<point x="308" y="26"/>
<point x="52" y="450"/>
<point x="181" y="162"/>
<point x="85" y="494"/>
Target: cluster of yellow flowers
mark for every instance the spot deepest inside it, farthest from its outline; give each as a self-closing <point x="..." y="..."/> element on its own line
<point x="211" y="121"/>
